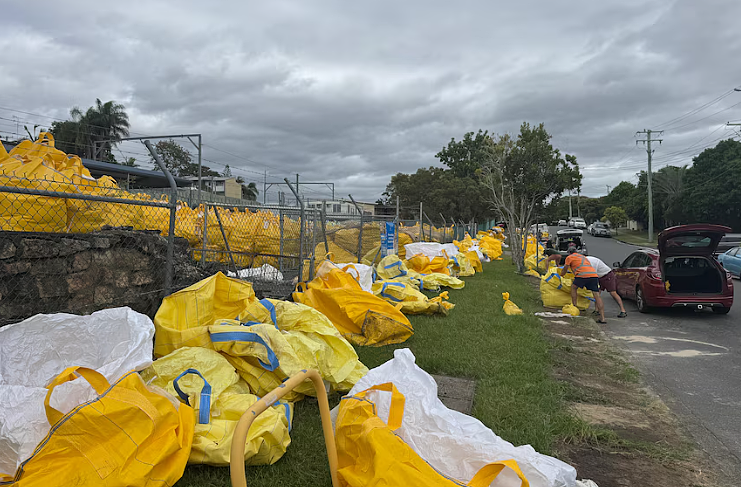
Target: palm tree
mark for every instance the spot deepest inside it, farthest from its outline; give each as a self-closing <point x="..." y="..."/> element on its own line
<point x="669" y="182"/>
<point x="106" y="123"/>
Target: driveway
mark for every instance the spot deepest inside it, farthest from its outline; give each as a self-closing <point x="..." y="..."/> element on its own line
<point x="691" y="359"/>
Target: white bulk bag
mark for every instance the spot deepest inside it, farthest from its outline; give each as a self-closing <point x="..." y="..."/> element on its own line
<point x="35" y="351"/>
<point x="455" y="444"/>
<point x="362" y="273"/>
<point x="430" y="249"/>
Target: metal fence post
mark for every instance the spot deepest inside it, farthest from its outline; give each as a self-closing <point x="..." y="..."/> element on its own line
<point x="324" y="229"/>
<point x="313" y="245"/>
<point x="169" y="266"/>
<point x="226" y="240"/>
<point x="301" y="230"/>
<point x="205" y="234"/>
<point x="280" y="241"/>
<point x="360" y="232"/>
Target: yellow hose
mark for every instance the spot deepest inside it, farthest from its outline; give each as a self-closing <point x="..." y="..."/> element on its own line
<point x="239" y="478"/>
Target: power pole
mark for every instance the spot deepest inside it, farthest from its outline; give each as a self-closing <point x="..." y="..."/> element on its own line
<point x="264" y="186"/>
<point x="397" y="208"/>
<point x="570" y="216"/>
<point x="649" y="174"/>
<point x="297" y="191"/>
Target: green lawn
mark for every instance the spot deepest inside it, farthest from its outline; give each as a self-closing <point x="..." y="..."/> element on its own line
<point x="508" y="356"/>
<point x="635" y="238"/>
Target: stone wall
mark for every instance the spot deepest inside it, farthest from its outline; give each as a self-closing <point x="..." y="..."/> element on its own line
<point x="82" y="273"/>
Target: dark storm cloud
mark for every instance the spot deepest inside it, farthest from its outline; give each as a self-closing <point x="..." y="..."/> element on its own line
<point x="353" y="92"/>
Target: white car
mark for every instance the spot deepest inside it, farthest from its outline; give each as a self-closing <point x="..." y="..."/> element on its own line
<point x="561" y="223"/>
<point x="578" y="223"/>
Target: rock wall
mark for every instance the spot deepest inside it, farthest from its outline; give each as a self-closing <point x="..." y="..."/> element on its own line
<point x="82" y="273"/>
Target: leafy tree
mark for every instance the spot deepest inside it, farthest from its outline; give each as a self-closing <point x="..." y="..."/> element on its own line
<point x="522" y="174"/>
<point x="440" y="192"/>
<point x="105" y="123"/>
<point x="616" y="216"/>
<point x="179" y="161"/>
<point x="249" y="192"/>
<point x="711" y="190"/>
<point x="467" y="156"/>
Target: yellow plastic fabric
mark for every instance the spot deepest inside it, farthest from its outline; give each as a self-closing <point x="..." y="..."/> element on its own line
<point x="411" y="300"/>
<point x="555" y="291"/>
<point x="391" y="268"/>
<point x="422" y="264"/>
<point x="532" y="244"/>
<point x="329" y="276"/>
<point x="538" y="264"/>
<point x="360" y="317"/>
<point x="128" y="436"/>
<point x="509" y="307"/>
<point x="297" y="336"/>
<point x="473" y="258"/>
<point x="570" y="309"/>
<point x="370" y="454"/>
<point x="491" y="247"/>
<point x="230" y="397"/>
<point x="532" y="273"/>
<point x="465" y="244"/>
<point x="462" y="266"/>
<point x="183" y="318"/>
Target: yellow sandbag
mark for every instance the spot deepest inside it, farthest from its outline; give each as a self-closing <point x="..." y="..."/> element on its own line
<point x="570" y="309"/>
<point x="391" y="267"/>
<point x="370" y="453"/>
<point x="422" y="264"/>
<point x="491" y="247"/>
<point x="314" y="339"/>
<point x="532" y="273"/>
<point x="538" y="264"/>
<point x="360" y="317"/>
<point x="329" y="276"/>
<point x="404" y="239"/>
<point x="205" y="380"/>
<point x="412" y="301"/>
<point x="129" y="435"/>
<point x="473" y="258"/>
<point x="462" y="266"/>
<point x="435" y="280"/>
<point x="183" y="318"/>
<point x="338" y="254"/>
<point x="509" y="307"/>
<point x="555" y="291"/>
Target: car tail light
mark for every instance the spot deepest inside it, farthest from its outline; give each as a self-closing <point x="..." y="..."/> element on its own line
<point x="654" y="273"/>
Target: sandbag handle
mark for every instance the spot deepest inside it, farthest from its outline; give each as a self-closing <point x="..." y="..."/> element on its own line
<point x="97" y="380"/>
<point x="265" y="302"/>
<point x="396" y="411"/>
<point x="489" y="472"/>
<point x="204" y="404"/>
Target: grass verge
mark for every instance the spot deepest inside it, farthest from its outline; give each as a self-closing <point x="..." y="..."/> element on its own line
<point x="635" y="238"/>
<point x="508" y="356"/>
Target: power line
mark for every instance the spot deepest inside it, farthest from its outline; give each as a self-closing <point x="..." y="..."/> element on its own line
<point x="704" y="118"/>
<point x="696" y="110"/>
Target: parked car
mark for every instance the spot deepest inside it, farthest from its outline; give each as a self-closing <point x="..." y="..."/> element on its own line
<point x="681" y="273"/>
<point x="731" y="261"/>
<point x="599" y="229"/>
<point x="566" y="237"/>
<point x="561" y="223"/>
<point x="578" y="222"/>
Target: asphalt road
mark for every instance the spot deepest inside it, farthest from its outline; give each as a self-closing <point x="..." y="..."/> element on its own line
<point x="691" y="359"/>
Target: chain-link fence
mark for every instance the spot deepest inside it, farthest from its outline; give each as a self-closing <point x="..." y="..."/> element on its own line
<point x="71" y="244"/>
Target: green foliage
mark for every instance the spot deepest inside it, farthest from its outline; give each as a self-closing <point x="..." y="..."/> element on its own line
<point x="103" y="123"/>
<point x="616" y="216"/>
<point x="522" y="174"/>
<point x="179" y="161"/>
<point x="467" y="156"/>
<point x="441" y="192"/>
<point x="249" y="191"/>
<point x="711" y="192"/>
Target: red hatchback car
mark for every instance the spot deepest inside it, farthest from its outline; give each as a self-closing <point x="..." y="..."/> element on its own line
<point x="682" y="273"/>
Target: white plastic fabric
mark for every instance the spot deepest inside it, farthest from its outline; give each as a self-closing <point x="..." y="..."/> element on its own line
<point x="479" y="253"/>
<point x="266" y="272"/>
<point x="430" y="249"/>
<point x="362" y="273"/>
<point x="34" y="351"/>
<point x="453" y="443"/>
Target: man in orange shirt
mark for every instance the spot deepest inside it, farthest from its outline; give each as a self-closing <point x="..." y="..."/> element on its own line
<point x="584" y="277"/>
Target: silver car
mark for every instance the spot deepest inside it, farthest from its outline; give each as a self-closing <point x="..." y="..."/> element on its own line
<point x="599" y="229"/>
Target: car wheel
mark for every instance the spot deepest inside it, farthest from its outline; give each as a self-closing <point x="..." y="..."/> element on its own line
<point x="721" y="311"/>
<point x="641" y="301"/>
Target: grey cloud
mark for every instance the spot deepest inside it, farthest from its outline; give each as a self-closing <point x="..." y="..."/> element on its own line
<point x="353" y="92"/>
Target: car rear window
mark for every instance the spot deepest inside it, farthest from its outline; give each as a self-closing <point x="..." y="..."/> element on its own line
<point x="689" y="241"/>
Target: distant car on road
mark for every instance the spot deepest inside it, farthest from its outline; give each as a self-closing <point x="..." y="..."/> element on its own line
<point x="731" y="261"/>
<point x="681" y="273"/>
<point x="577" y="222"/>
<point x="599" y="229"/>
<point x="561" y="223"/>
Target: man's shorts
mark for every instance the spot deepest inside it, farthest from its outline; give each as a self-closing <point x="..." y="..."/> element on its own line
<point x="590" y="283"/>
<point x="608" y="282"/>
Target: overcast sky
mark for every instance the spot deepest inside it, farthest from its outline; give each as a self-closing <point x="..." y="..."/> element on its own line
<point x="356" y="91"/>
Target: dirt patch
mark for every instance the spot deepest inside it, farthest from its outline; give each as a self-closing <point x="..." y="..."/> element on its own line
<point x="634" y="439"/>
